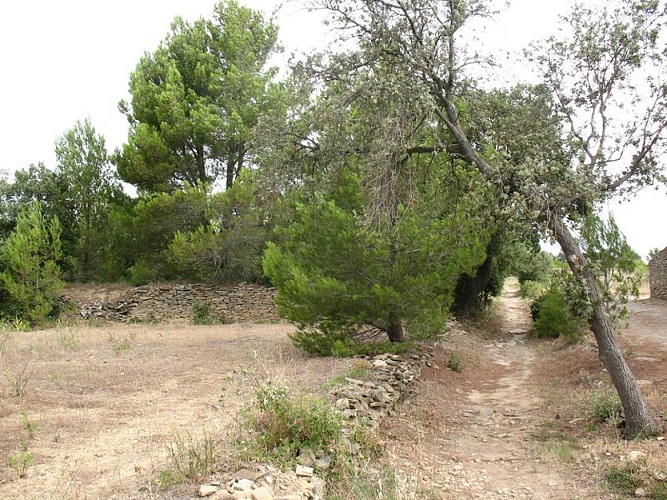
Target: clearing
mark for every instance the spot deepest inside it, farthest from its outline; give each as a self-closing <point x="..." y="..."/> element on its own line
<point x="513" y="423"/>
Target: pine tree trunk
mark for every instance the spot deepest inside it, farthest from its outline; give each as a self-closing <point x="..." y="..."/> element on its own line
<point x="395" y="330"/>
<point x="638" y="419"/>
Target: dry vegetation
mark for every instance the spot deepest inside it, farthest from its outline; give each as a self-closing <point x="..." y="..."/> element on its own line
<point x="106" y="402"/>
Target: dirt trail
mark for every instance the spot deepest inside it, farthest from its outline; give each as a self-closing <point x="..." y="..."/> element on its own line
<point x="472" y="434"/>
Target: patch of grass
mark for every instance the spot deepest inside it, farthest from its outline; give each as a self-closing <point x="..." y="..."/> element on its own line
<point x="20" y="462"/>
<point x="30" y="426"/>
<point x="360" y="370"/>
<point x="286" y="424"/>
<point x="188" y="459"/>
<point x="605" y="406"/>
<point x="364" y="481"/>
<point x="18" y="377"/>
<point x="120" y="344"/>
<point x="560" y="450"/>
<point x="68" y="340"/>
<point x="201" y="313"/>
<point x="624" y="480"/>
<point x="454" y="362"/>
<point x="658" y="491"/>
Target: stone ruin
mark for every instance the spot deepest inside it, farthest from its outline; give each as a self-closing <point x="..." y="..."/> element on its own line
<point x="658" y="275"/>
<point x="241" y="303"/>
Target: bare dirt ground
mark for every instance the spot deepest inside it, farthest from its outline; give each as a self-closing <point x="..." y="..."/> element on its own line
<point x="108" y="400"/>
<point x="514" y="423"/>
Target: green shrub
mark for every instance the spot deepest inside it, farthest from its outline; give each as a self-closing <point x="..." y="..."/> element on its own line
<point x="201" y="313"/>
<point x="325" y="341"/>
<point x="624" y="480"/>
<point x="606" y="407"/>
<point x="532" y="289"/>
<point x="554" y="317"/>
<point x="454" y="362"/>
<point x="20" y="462"/>
<point x="188" y="458"/>
<point x="286" y="424"/>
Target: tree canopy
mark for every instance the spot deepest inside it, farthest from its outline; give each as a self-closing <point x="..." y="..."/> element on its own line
<point x="196" y="99"/>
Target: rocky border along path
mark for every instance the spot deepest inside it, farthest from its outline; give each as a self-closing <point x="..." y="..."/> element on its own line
<point x="389" y="381"/>
<point x="471" y="435"/>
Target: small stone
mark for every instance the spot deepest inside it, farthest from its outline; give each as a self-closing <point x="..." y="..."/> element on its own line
<point x="263" y="493"/>
<point x="640" y="493"/>
<point x="289" y="497"/>
<point x="636" y="456"/>
<point x="324" y="462"/>
<point x="303" y="471"/>
<point x="379" y="363"/>
<point x="206" y="490"/>
<point x="243" y="485"/>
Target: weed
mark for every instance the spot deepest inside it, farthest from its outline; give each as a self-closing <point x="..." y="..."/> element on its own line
<point x="624" y="480"/>
<point x="360" y="370"/>
<point x="454" y="362"/>
<point x="18" y="379"/>
<point x="121" y="344"/>
<point x="20" y="462"/>
<point x="28" y="425"/>
<point x="68" y="340"/>
<point x="591" y="427"/>
<point x="20" y="325"/>
<point x="285" y="425"/>
<point x="201" y="313"/>
<point x="189" y="459"/>
<point x="658" y="491"/>
<point x="561" y="450"/>
<point x="606" y="407"/>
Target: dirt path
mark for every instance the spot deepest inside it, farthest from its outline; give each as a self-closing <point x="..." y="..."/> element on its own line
<point x="472" y="434"/>
<point x="648" y="320"/>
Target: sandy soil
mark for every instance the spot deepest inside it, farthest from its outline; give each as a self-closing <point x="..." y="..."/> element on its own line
<point x="108" y="400"/>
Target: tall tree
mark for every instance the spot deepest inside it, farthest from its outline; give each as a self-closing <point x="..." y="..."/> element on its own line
<point x="609" y="56"/>
<point x="196" y="99"/>
<point x="90" y="188"/>
<point x="29" y="259"/>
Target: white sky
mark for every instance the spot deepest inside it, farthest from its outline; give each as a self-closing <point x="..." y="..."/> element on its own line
<point x="65" y="60"/>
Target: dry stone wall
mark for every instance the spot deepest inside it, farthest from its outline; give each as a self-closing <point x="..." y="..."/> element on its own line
<point x="174" y="303"/>
<point x="658" y="275"/>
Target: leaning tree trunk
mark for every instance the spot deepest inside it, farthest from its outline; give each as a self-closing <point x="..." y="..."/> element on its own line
<point x="638" y="419"/>
<point x="395" y="330"/>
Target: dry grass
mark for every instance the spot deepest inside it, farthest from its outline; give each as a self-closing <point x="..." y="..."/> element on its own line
<point x="110" y="399"/>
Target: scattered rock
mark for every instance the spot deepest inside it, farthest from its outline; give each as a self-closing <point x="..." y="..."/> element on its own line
<point x="206" y="490"/>
<point x="640" y="493"/>
<point x="304" y="471"/>
<point x="263" y="493"/>
<point x="636" y="456"/>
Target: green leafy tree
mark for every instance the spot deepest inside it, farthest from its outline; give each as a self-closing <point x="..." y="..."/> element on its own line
<point x="196" y="99"/>
<point x="90" y="189"/>
<point x="336" y="276"/>
<point x="604" y="60"/>
<point x="229" y="247"/>
<point x="615" y="264"/>
<point x="31" y="274"/>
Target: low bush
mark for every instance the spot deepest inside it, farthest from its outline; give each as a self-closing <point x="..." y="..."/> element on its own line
<point x="606" y="407"/>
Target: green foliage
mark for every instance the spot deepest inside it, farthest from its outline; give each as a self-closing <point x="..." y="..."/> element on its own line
<point x="554" y="317"/>
<point x="31" y="275"/>
<point x="30" y="426"/>
<point x="287" y="424"/>
<point x="196" y="99"/>
<point x="624" y="480"/>
<point x="454" y="362"/>
<point x="228" y="248"/>
<point x="337" y="276"/>
<point x="21" y="462"/>
<point x="89" y="189"/>
<point x="201" y="313"/>
<point x="532" y="290"/>
<point x="605" y="406"/>
<point x="188" y="459"/>
<point x="615" y="264"/>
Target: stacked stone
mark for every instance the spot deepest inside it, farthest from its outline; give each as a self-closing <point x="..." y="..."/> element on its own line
<point x="174" y="303"/>
<point x="658" y="275"/>
<point x="392" y="380"/>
